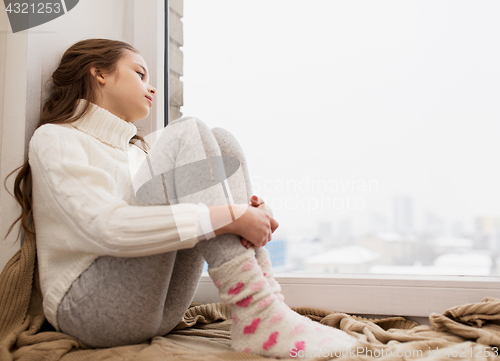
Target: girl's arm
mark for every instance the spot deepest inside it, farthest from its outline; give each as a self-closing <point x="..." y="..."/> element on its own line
<point x="78" y="207"/>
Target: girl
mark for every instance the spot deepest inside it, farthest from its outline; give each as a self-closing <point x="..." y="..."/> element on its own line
<point x="120" y="253"/>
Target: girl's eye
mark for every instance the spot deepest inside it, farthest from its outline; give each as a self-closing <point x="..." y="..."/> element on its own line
<point x="141" y="74"/>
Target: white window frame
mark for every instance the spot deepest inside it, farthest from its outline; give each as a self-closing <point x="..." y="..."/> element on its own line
<point x="380" y="295"/>
<point x="413" y="296"/>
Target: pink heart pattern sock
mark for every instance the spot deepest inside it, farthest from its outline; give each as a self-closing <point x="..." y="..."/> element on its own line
<point x="264" y="325"/>
<point x="264" y="261"/>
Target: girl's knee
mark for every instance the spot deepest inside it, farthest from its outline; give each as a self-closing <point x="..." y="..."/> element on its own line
<point x="228" y="143"/>
<point x="223" y="134"/>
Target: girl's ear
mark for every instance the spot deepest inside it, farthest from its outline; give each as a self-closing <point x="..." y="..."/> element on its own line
<point x="96" y="73"/>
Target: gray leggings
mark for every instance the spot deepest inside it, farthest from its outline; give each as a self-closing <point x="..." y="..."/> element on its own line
<point x="128" y="300"/>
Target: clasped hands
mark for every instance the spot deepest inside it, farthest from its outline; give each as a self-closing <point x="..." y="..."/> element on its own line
<point x="253" y="222"/>
<point x="259" y="203"/>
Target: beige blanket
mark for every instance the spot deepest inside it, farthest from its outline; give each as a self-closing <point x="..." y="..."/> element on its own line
<point x="466" y="332"/>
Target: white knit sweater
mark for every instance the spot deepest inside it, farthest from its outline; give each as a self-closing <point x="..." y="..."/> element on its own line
<point x="81" y="181"/>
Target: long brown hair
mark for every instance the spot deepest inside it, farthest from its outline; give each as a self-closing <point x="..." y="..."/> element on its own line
<point x="71" y="81"/>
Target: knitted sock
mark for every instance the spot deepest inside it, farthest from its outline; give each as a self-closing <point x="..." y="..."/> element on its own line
<point x="264" y="261"/>
<point x="261" y="323"/>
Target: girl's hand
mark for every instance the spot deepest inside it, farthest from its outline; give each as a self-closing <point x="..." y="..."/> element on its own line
<point x="252" y="224"/>
<point x="259" y="203"/>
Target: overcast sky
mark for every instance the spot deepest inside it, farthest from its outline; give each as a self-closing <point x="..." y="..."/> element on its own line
<point x="384" y="98"/>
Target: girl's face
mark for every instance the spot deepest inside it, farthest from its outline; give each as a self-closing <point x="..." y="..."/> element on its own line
<point x="127" y="93"/>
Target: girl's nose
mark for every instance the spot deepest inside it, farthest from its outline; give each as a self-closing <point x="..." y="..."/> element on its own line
<point x="152" y="90"/>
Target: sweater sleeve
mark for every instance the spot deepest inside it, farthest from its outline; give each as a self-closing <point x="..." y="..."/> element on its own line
<point x="84" y="197"/>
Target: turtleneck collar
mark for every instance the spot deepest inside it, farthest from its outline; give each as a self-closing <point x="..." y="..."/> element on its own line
<point x="105" y="126"/>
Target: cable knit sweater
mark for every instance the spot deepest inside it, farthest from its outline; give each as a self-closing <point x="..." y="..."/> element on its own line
<point x="81" y="178"/>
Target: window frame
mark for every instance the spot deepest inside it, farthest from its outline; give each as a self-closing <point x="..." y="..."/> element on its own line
<point x="366" y="294"/>
<point x="416" y="296"/>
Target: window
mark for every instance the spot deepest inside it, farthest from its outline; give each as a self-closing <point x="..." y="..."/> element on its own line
<point x="378" y="123"/>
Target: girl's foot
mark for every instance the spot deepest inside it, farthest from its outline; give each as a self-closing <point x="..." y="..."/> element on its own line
<point x="261" y="323"/>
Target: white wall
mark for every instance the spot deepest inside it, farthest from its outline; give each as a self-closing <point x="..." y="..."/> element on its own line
<point x="28" y="58"/>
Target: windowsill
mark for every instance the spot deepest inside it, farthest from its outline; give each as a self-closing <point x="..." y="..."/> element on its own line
<point x="414" y="296"/>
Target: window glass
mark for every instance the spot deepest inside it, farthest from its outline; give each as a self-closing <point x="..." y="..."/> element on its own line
<point x="371" y="129"/>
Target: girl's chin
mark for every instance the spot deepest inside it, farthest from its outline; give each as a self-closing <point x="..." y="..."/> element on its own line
<point x="141" y="116"/>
